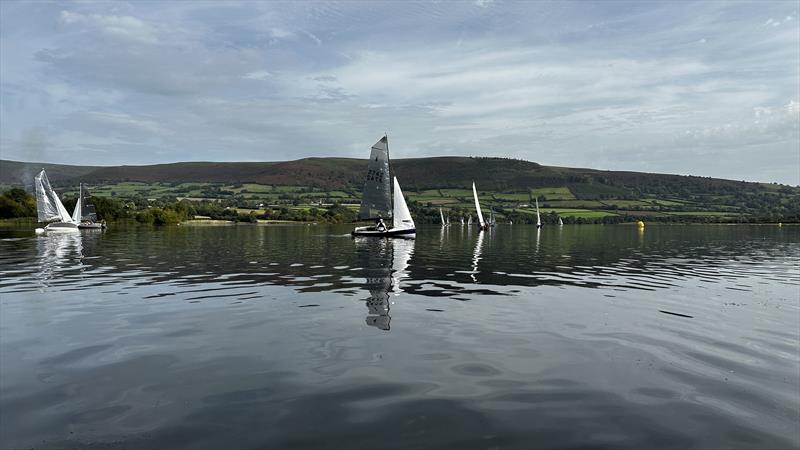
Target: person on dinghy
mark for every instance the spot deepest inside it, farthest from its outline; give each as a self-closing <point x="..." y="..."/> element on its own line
<point x="380" y="226"/>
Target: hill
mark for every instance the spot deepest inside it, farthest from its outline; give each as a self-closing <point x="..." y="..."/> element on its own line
<point x="507" y="184"/>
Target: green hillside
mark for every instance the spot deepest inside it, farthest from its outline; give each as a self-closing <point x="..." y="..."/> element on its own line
<point x="506" y="185"/>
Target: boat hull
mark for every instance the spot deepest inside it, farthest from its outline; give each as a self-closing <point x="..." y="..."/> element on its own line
<point x="392" y="232"/>
<point x="61" y="227"/>
<point x="92" y="226"/>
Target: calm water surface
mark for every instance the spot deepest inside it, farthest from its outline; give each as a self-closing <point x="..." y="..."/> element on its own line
<point x="302" y="337"/>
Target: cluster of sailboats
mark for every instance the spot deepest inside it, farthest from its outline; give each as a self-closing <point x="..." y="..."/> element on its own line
<point x="50" y="210"/>
<point x="382" y="201"/>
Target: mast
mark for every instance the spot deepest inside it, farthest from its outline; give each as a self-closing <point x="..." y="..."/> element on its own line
<point x="391" y="177"/>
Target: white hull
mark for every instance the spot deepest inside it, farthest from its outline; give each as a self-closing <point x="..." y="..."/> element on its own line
<point x="61" y="227"/>
<point x="92" y="226"/>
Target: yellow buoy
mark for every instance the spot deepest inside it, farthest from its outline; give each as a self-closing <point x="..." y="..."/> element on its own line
<point x="640" y="223"/>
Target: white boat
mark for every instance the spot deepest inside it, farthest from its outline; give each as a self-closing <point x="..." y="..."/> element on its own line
<point x="469" y="219"/>
<point x="538" y="217"/>
<point x="462" y="220"/>
<point x="84" y="214"/>
<point x="382" y="199"/>
<point x="50" y="209"/>
<point x="441" y="217"/>
<point x="560" y="222"/>
<point x="481" y="223"/>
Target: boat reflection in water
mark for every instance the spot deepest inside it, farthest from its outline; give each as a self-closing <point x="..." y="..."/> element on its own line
<point x="57" y="252"/>
<point x="476" y="256"/>
<point x="385" y="263"/>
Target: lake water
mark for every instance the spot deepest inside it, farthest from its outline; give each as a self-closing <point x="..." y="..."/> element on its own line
<point x="301" y="337"/>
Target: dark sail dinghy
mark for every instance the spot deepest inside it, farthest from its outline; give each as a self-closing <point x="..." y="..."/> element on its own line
<point x="84" y="214"/>
<point x="382" y="199"/>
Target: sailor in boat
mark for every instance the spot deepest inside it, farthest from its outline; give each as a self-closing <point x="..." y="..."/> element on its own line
<point x="380" y="226"/>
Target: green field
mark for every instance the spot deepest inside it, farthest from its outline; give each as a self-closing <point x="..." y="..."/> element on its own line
<point x="248" y="198"/>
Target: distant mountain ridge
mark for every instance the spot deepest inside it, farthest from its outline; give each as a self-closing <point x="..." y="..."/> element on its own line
<point x="496" y="174"/>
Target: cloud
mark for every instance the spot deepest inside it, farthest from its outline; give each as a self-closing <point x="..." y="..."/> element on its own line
<point x="125" y="27"/>
<point x="257" y="75"/>
<point x="669" y="87"/>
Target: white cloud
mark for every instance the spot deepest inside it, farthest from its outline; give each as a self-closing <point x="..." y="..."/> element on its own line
<point x="257" y="75"/>
<point x="126" y="27"/>
<point x="567" y="84"/>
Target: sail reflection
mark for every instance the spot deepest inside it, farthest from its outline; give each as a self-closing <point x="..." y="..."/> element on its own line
<point x="385" y="263"/>
<point x="57" y="252"/>
<point x="476" y="255"/>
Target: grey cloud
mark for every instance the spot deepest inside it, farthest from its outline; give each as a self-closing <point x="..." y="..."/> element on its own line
<point x="673" y="87"/>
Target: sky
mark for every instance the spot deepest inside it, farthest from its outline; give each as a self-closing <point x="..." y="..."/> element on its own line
<point x="705" y="88"/>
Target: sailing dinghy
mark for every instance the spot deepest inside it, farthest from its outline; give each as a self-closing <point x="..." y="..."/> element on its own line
<point x="84" y="214"/>
<point x="382" y="199"/>
<point x="50" y="209"/>
<point x="560" y="222"/>
<point x="481" y="223"/>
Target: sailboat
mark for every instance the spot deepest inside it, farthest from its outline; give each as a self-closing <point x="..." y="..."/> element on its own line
<point x="538" y="217"/>
<point x="560" y="222"/>
<point x="382" y="198"/>
<point x="462" y="220"/>
<point x="481" y="223"/>
<point x="469" y="219"/>
<point x="441" y="216"/>
<point x="491" y="217"/>
<point x="50" y="209"/>
<point x="84" y="214"/>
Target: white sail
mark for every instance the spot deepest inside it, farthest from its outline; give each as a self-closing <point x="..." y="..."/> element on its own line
<point x="478" y="206"/>
<point x="441" y="215"/>
<point x="538" y="218"/>
<point x="401" y="216"/>
<point x="77" y="214"/>
<point x="560" y="222"/>
<point x="48" y="206"/>
<point x="469" y="219"/>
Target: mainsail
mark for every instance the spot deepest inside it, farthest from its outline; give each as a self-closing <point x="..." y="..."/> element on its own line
<point x="401" y="215"/>
<point x="48" y="206"/>
<point x="87" y="208"/>
<point x="376" y="198"/>
<point x="478" y="206"/>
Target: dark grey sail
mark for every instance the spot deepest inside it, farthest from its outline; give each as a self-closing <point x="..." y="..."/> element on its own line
<point x="87" y="208"/>
<point x="376" y="198"/>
